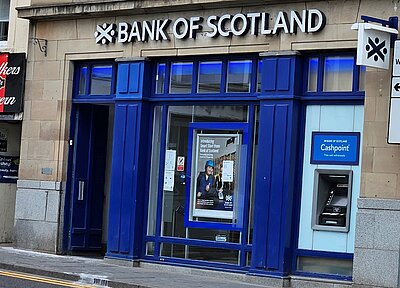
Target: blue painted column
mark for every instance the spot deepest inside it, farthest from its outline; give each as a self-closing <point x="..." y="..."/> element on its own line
<point x="277" y="161"/>
<point x="129" y="162"/>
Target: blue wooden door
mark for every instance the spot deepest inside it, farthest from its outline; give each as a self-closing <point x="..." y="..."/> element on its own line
<point x="88" y="177"/>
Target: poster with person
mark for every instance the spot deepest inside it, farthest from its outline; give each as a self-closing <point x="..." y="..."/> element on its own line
<point x="214" y="175"/>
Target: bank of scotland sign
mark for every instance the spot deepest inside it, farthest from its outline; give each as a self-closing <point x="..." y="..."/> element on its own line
<point x="373" y="45"/>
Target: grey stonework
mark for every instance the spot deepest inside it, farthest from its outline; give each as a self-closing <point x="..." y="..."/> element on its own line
<point x="377" y="243"/>
<point x="37" y="214"/>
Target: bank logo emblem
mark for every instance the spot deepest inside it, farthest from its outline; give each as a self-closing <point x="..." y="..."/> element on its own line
<point x="228" y="198"/>
<point x="105" y="33"/>
<point x="375" y="49"/>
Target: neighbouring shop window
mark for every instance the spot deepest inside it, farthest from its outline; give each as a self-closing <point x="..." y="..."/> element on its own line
<point x="4" y="19"/>
<point x="239" y="76"/>
<point x="160" y="78"/>
<point x="338" y="73"/>
<point x="100" y="80"/>
<point x="312" y="75"/>
<point x="181" y="78"/>
<point x="210" y="75"/>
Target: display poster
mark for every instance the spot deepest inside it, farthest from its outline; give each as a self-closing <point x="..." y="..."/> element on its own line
<point x="335" y="148"/>
<point x="3" y="140"/>
<point x="214" y="177"/>
<point x="169" y="167"/>
<point x="9" y="169"/>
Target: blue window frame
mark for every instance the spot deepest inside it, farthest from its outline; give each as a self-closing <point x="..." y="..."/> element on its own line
<point x="95" y="82"/>
<point x="333" y="76"/>
<point x="197" y="79"/>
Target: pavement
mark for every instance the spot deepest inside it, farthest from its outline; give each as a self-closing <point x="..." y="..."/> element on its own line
<point x="103" y="273"/>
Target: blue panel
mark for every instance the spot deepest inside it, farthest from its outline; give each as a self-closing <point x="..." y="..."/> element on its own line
<point x="261" y="202"/>
<point x="129" y="175"/>
<point x="130" y="79"/>
<point x="117" y="179"/>
<point x="269" y="69"/>
<point x="278" y="180"/>
<point x="283" y="79"/>
<point x="122" y="81"/>
<point x="135" y="77"/>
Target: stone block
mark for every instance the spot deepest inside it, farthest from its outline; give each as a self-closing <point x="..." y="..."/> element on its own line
<point x="27" y="169"/>
<point x="369" y="108"/>
<point x="386" y="160"/>
<point x="380" y="185"/>
<point x="41" y="150"/>
<point x="203" y="51"/>
<point x="365" y="230"/>
<point x="30" y="184"/>
<point x="52" y="90"/>
<point x="53" y="203"/>
<point x="33" y="90"/>
<point x="47" y="110"/>
<point x="382" y="107"/>
<point x="303" y="283"/>
<point x="35" y="235"/>
<point x="57" y="30"/>
<point x="47" y="170"/>
<point x="49" y="130"/>
<point x="375" y="134"/>
<point x="48" y="185"/>
<point x="249" y="49"/>
<point x="367" y="158"/>
<point x="31" y="204"/>
<point x="30" y="129"/>
<point x="378" y="204"/>
<point x="387" y="230"/>
<point x="159" y="52"/>
<point x="375" y="267"/>
<point x="47" y="70"/>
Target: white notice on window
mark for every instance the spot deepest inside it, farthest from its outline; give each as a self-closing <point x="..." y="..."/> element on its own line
<point x="168" y="180"/>
<point x="227" y="172"/>
<point x="170" y="156"/>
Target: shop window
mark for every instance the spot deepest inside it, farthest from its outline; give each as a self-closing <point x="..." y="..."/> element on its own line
<point x="259" y="73"/>
<point x="94" y="80"/>
<point x="101" y="78"/>
<point x="334" y="75"/>
<point x="239" y="76"/>
<point x="82" y="80"/>
<point x="312" y="75"/>
<point x="210" y="73"/>
<point x="325" y="265"/>
<point x="181" y="78"/>
<point x="4" y="19"/>
<point x="160" y="78"/>
<point x="338" y="73"/>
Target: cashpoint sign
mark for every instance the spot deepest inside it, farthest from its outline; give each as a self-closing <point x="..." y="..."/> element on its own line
<point x="335" y="148"/>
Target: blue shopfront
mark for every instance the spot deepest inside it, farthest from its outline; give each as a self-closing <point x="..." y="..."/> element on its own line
<point x="247" y="162"/>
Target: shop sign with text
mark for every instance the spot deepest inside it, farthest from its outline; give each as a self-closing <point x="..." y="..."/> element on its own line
<point x="227" y="25"/>
<point x="12" y="77"/>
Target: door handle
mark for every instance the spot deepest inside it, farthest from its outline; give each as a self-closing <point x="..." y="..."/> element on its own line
<point x="81" y="189"/>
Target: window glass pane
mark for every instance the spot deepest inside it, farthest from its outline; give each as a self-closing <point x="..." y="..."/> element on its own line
<point x="82" y="80"/>
<point x="239" y="76"/>
<point x="338" y="73"/>
<point x="174" y="198"/>
<point x="209" y="77"/>
<point x="101" y="80"/>
<point x="259" y="70"/>
<point x="214" y="235"/>
<point x="181" y="78"/>
<point x="150" y="248"/>
<point x="154" y="172"/>
<point x="3" y="30"/>
<point x="200" y="253"/>
<point x="160" y="78"/>
<point x="325" y="265"/>
<point x="362" y="78"/>
<point x="312" y="75"/>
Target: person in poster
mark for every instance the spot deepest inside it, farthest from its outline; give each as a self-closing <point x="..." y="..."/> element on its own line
<point x="206" y="182"/>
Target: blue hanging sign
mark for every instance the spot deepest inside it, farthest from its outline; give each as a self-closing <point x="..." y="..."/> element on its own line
<point x="335" y="148"/>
